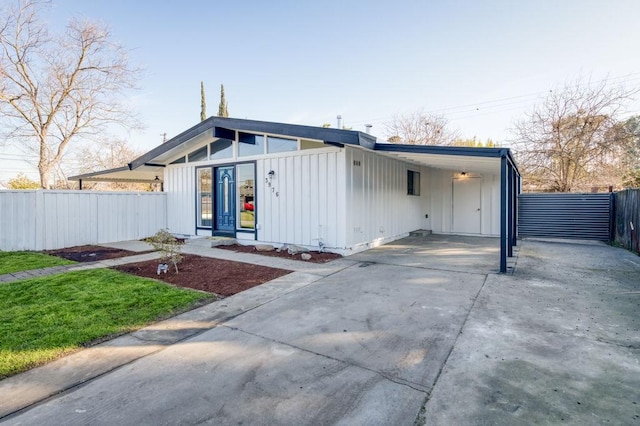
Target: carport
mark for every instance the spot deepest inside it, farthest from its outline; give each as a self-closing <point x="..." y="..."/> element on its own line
<point x="498" y="161"/>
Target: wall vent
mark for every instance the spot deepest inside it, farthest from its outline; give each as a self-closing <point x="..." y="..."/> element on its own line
<point x="356" y="163"/>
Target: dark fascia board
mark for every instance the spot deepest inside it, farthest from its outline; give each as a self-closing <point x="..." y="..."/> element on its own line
<point x="90" y="175"/>
<point x="450" y="150"/>
<point x="328" y="135"/>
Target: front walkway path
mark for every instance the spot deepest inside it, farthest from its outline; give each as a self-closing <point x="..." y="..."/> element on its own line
<point x="108" y="263"/>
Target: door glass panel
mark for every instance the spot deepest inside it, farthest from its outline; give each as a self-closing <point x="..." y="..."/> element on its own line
<point x="205" y="212"/>
<point x="246" y="196"/>
<point x="226" y="194"/>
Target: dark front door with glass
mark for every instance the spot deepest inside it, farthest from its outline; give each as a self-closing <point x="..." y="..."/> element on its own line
<point x="226" y="201"/>
<point x="225" y="209"/>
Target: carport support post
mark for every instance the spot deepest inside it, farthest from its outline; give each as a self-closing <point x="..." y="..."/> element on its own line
<point x="511" y="211"/>
<point x="516" y="194"/>
<point x="503" y="214"/>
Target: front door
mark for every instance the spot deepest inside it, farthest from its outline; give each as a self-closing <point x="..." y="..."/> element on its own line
<point x="225" y="200"/>
<point x="466" y="205"/>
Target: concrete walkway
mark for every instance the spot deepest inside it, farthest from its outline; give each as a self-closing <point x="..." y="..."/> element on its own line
<point x="108" y="263"/>
<point x="375" y="339"/>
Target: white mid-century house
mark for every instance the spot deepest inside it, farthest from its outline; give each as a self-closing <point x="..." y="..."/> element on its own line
<point x="341" y="190"/>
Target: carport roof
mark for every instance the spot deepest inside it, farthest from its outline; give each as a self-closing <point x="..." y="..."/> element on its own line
<point x="464" y="159"/>
<point x="149" y="167"/>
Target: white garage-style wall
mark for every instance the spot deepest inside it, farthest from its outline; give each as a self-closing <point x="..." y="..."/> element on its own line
<point x="378" y="206"/>
<point x="441" y="184"/>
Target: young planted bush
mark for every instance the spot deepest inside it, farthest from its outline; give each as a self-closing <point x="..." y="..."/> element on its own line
<point x="169" y="246"/>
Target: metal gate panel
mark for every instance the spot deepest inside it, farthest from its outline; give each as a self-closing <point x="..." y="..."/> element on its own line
<point x="565" y="215"/>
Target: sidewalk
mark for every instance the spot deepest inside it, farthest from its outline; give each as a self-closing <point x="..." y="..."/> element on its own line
<point x="33" y="273"/>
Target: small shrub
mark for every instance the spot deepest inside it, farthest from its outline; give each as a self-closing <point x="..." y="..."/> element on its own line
<point x="169" y="246"/>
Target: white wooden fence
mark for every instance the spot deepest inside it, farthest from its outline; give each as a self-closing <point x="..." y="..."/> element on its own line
<point x="45" y="220"/>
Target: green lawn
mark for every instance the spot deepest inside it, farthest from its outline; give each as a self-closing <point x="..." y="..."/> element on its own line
<point x="16" y="261"/>
<point x="44" y="318"/>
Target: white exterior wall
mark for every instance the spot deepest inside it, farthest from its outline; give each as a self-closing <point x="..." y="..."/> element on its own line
<point x="378" y="207"/>
<point x="305" y="201"/>
<point x="302" y="204"/>
<point x="180" y="187"/>
<point x="46" y="220"/>
<point x="441" y="212"/>
<point x="320" y="195"/>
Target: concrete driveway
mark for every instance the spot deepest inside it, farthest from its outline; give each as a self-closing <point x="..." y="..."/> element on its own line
<point x="420" y="331"/>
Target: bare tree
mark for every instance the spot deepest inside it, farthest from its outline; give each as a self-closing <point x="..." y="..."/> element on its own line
<point x="420" y="128"/>
<point x="57" y="90"/>
<point x="574" y="139"/>
<point x="108" y="155"/>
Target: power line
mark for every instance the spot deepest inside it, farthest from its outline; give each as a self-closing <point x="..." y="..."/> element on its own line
<point x="526" y="98"/>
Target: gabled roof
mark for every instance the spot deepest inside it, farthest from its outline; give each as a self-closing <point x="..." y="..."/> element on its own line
<point x="150" y="165"/>
<point x="327" y="135"/>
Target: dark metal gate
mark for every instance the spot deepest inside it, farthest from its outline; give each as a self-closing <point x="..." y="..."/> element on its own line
<point x="565" y="215"/>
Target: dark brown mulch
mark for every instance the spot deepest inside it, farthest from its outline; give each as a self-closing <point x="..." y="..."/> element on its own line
<point x="316" y="256"/>
<point x="90" y="253"/>
<point x="222" y="277"/>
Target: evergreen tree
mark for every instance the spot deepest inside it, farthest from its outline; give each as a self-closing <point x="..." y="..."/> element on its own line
<point x="203" y="103"/>
<point x="223" y="107"/>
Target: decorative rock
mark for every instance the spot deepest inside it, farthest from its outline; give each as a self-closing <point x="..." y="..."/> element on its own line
<point x="223" y="242"/>
<point x="292" y="249"/>
<point x="305" y="256"/>
<point x="264" y="247"/>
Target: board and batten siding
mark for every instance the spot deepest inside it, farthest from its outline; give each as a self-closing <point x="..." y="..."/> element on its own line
<point x="180" y="187"/>
<point x="378" y="206"/>
<point x="441" y="212"/>
<point x="302" y="204"/>
<point x="47" y="220"/>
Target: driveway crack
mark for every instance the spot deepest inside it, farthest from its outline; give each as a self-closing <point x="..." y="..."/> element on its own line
<point x="415" y="386"/>
<point x="420" y="418"/>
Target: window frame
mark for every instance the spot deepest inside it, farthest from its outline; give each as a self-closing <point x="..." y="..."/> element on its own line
<point x="413" y="183"/>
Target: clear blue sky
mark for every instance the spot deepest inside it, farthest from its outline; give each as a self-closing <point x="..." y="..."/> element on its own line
<point x="307" y="61"/>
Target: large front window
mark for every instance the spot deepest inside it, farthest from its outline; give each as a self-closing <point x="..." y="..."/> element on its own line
<point x="204" y="197"/>
<point x="246" y="178"/>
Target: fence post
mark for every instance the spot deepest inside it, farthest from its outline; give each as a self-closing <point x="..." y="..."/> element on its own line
<point x="40" y="225"/>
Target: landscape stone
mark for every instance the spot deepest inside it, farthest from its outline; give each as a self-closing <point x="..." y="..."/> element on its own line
<point x="264" y="247"/>
<point x="223" y="242"/>
<point x="305" y="256"/>
<point x="293" y="249"/>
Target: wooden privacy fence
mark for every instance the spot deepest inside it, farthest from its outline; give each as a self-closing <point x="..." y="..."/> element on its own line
<point x="45" y="220"/>
<point x="627" y="209"/>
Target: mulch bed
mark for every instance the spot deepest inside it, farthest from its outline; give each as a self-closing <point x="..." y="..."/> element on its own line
<point x="222" y="277"/>
<point x="316" y="256"/>
<point x="90" y="253"/>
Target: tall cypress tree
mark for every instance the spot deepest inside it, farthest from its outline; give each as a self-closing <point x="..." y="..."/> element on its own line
<point x="222" y="108"/>
<point x="203" y="103"/>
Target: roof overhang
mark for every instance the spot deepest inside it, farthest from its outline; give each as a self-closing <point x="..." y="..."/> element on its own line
<point x="143" y="174"/>
<point x="461" y="159"/>
<point x="207" y="129"/>
<point x="149" y="167"/>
